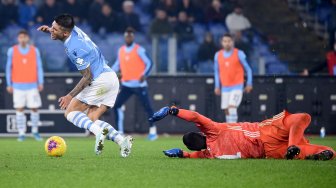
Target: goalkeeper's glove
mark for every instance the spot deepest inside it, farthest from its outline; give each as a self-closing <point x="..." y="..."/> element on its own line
<point x="176" y="152"/>
<point x="163" y="112"/>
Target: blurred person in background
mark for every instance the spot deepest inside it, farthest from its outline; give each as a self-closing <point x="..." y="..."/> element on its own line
<point x="183" y="28"/>
<point x="74" y="8"/>
<point x="188" y="7"/>
<point x="129" y="18"/>
<point x="95" y="10"/>
<point x="46" y="12"/>
<point x="230" y="64"/>
<point x="236" y="21"/>
<point x="24" y="77"/>
<point x="27" y="13"/>
<point x="207" y="49"/>
<point x="242" y="43"/>
<point x="134" y="66"/>
<point x="171" y="8"/>
<point x="160" y="25"/>
<point x="107" y="22"/>
<point x="8" y="13"/>
<point x="215" y="12"/>
<point x="332" y="25"/>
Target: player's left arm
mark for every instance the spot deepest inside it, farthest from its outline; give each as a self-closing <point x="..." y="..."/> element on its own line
<point x="248" y="70"/>
<point x="9" y="70"/>
<point x="40" y="75"/>
<point x="148" y="62"/>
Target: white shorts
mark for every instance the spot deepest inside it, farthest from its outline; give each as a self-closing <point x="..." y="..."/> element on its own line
<point x="26" y="98"/>
<point x="231" y="98"/>
<point x="103" y="90"/>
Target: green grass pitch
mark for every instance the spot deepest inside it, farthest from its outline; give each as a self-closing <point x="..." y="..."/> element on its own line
<point x="26" y="165"/>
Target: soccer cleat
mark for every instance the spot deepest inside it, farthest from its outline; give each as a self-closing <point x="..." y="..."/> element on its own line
<point x="163" y="112"/>
<point x="126" y="146"/>
<point x="100" y="138"/>
<point x="37" y="137"/>
<point x="152" y="137"/>
<point x="21" y="138"/>
<point x="292" y="151"/>
<point x="323" y="156"/>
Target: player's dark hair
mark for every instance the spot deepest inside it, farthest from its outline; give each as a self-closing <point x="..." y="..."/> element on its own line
<point x="227" y="35"/>
<point x="66" y="21"/>
<point x="130" y="30"/>
<point x="194" y="141"/>
<point x="23" y="32"/>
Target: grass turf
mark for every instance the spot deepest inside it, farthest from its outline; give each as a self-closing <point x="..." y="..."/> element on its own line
<point x="26" y="165"/>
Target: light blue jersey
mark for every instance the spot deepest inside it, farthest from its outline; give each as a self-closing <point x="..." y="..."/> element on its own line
<point x="247" y="68"/>
<point x="148" y="63"/>
<point x="23" y="86"/>
<point x="84" y="53"/>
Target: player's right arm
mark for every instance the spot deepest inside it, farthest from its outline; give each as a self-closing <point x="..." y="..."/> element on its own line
<point x="216" y="68"/>
<point x="9" y="70"/>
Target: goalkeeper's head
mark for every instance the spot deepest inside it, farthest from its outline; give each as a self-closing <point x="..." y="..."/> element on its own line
<point x="195" y="141"/>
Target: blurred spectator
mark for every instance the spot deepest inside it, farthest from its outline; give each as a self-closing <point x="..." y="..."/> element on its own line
<point x="107" y="21"/>
<point x="242" y="43"/>
<point x="332" y="25"/>
<point x="94" y="10"/>
<point x="188" y="7"/>
<point x="27" y="12"/>
<point x="171" y="9"/>
<point x="215" y="13"/>
<point x="160" y="24"/>
<point x="8" y="13"/>
<point x="129" y="18"/>
<point x="47" y="12"/>
<point x="207" y="49"/>
<point x="183" y="28"/>
<point x="236" y="21"/>
<point x="74" y="8"/>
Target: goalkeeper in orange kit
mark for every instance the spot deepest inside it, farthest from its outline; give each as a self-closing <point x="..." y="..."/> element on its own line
<point x="281" y="137"/>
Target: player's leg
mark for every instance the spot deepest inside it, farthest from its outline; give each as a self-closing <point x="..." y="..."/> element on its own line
<point x="19" y="101"/>
<point x="108" y="132"/>
<point x="316" y="152"/>
<point x="34" y="102"/>
<point x="295" y="124"/>
<point x="235" y="98"/>
<point x="225" y="103"/>
<point x="123" y="96"/>
<point x="142" y="94"/>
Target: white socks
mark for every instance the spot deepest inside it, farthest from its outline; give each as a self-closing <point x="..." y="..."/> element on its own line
<point x="21" y="123"/>
<point x="113" y="134"/>
<point x="232" y="117"/>
<point x="34" y="118"/>
<point x="152" y="130"/>
<point x="81" y="120"/>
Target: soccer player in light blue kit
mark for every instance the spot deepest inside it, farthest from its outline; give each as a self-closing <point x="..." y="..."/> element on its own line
<point x="24" y="77"/>
<point x="96" y="92"/>
<point x="230" y="64"/>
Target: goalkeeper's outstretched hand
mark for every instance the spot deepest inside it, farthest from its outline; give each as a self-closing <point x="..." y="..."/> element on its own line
<point x="176" y="152"/>
<point x="163" y="112"/>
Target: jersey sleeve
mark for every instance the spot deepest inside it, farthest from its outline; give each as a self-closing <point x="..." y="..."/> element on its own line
<point x="81" y="58"/>
<point x="206" y="125"/>
<point x="9" y="67"/>
<point x="247" y="68"/>
<point x="116" y="66"/>
<point x="195" y="155"/>
<point x="39" y="67"/>
<point x="217" y="83"/>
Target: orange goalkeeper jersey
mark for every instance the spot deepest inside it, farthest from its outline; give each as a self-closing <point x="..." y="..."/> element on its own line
<point x="226" y="140"/>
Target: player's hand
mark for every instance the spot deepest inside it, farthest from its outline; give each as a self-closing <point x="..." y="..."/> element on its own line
<point x="40" y="87"/>
<point x="10" y="89"/>
<point x="44" y="28"/>
<point x="248" y="89"/>
<point x="142" y="79"/>
<point x="176" y="152"/>
<point x="64" y="101"/>
<point x="217" y="91"/>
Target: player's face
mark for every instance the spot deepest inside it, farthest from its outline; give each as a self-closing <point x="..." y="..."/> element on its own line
<point x="129" y="38"/>
<point x="23" y="39"/>
<point x="227" y="43"/>
<point x="57" y="32"/>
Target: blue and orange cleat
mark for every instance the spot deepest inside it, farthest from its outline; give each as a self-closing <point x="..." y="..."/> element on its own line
<point x="21" y="138"/>
<point x="152" y="137"/>
<point x="37" y="137"/>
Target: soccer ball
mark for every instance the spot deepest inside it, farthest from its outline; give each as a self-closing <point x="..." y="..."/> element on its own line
<point x="55" y="146"/>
